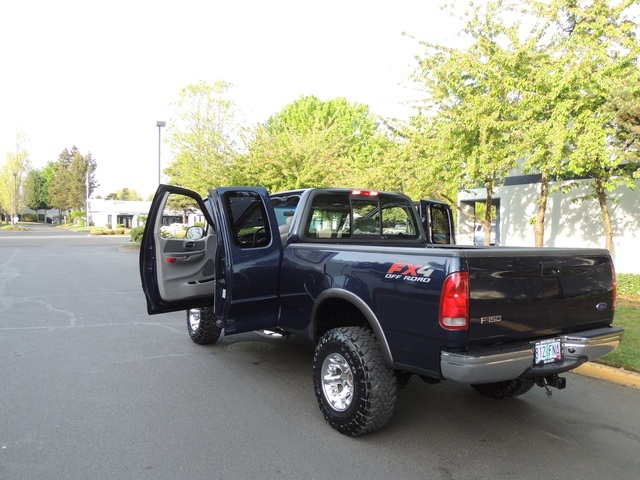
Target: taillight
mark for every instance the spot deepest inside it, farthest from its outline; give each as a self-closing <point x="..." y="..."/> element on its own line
<point x="454" y="302"/>
<point x="615" y="288"/>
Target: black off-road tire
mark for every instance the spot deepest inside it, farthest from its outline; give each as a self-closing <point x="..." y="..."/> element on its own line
<point x="203" y="330"/>
<point x="508" y="389"/>
<point x="355" y="390"/>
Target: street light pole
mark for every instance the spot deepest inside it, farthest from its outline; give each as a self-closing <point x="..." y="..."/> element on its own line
<point x="15" y="198"/>
<point x="160" y="124"/>
<point x="86" y="212"/>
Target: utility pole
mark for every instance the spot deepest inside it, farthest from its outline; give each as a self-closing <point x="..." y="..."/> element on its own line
<point x="160" y="124"/>
<point x="15" y="199"/>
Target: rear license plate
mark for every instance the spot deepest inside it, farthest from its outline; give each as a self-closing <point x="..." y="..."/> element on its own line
<point x="547" y="351"/>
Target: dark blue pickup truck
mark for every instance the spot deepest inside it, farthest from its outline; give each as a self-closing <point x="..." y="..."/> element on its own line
<point x="378" y="285"/>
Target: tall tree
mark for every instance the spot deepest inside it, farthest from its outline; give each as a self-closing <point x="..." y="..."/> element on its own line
<point x="203" y="137"/>
<point x="12" y="177"/>
<point x="35" y="197"/>
<point x="72" y="181"/>
<point x="593" y="52"/>
<point x="468" y="128"/>
<point x="311" y="142"/>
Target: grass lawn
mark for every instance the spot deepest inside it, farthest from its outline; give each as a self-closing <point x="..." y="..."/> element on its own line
<point x="628" y="354"/>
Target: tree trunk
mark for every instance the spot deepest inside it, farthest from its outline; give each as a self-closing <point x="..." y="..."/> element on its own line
<point x="606" y="215"/>
<point x="487" y="216"/>
<point x="538" y="227"/>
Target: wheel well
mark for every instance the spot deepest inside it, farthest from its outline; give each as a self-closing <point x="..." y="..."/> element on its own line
<point x="337" y="312"/>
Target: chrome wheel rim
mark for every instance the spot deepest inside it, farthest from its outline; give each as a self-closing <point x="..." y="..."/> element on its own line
<point x="337" y="382"/>
<point x="194" y="319"/>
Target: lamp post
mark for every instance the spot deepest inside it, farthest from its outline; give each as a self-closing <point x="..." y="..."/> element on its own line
<point x="15" y="198"/>
<point x="160" y="124"/>
<point x="86" y="212"/>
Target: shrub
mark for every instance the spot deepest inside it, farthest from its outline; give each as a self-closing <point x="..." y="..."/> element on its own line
<point x="108" y="225"/>
<point x="119" y="231"/>
<point x="78" y="218"/>
<point x="97" y="232"/>
<point x="136" y="234"/>
<point x="628" y="285"/>
<point x="120" y="225"/>
<point x="108" y="231"/>
<point x="29" y="217"/>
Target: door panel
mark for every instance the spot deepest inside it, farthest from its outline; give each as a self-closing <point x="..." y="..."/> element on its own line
<point x="177" y="272"/>
<point x="185" y="268"/>
<point x="247" y="296"/>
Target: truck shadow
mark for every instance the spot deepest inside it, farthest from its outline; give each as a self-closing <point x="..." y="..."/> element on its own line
<point x="446" y="430"/>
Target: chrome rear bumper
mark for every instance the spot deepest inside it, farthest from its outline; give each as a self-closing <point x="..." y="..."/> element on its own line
<point x="511" y="361"/>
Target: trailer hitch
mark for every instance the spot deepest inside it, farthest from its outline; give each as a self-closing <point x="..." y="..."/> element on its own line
<point x="554" y="381"/>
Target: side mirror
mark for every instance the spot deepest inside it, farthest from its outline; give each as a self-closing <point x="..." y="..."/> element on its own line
<point x="194" y="233"/>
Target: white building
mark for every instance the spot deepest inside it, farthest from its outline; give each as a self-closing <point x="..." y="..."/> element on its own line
<point x="569" y="222"/>
<point x="109" y="213"/>
<point x="131" y="214"/>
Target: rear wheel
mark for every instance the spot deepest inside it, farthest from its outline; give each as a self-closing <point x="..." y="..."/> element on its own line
<point x="355" y="390"/>
<point x="508" y="389"/>
<point x="201" y="324"/>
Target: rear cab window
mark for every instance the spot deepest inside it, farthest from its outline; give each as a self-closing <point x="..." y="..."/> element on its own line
<point x="359" y="216"/>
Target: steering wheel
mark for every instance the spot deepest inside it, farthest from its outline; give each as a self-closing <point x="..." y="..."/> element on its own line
<point x="255" y="235"/>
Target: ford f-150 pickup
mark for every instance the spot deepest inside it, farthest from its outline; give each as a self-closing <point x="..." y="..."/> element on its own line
<point x="377" y="283"/>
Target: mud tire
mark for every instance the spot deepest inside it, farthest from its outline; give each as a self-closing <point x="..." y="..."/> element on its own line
<point x="355" y="389"/>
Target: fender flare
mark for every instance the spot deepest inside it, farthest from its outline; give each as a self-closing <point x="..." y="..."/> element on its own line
<point x="360" y="304"/>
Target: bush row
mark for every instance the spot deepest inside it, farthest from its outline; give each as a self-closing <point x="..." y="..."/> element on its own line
<point x="628" y="285"/>
<point x="108" y="231"/>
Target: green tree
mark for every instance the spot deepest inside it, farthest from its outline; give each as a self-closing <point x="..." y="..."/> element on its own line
<point x="35" y="197"/>
<point x="126" y="194"/>
<point x="203" y="137"/>
<point x="592" y="56"/>
<point x="73" y="180"/>
<point x="468" y="129"/>
<point x="12" y="176"/>
<point x="57" y="187"/>
<point x="48" y="174"/>
<point x="313" y="143"/>
<point x="626" y="124"/>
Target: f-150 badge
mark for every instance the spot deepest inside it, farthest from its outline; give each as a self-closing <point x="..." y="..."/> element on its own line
<point x="409" y="273"/>
<point x="492" y="319"/>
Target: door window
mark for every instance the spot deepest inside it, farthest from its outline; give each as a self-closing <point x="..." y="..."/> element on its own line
<point x="178" y="215"/>
<point x="440" y="224"/>
<point x="248" y="219"/>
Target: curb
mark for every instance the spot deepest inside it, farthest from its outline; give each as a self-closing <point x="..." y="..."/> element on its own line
<point x="609" y="374"/>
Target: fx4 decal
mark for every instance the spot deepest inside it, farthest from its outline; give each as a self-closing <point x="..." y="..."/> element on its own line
<point x="409" y="273"/>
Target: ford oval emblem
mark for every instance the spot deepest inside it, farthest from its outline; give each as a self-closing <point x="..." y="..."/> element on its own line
<point x="602" y="306"/>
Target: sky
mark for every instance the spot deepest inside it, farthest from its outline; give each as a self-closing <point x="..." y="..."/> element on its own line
<point x="99" y="75"/>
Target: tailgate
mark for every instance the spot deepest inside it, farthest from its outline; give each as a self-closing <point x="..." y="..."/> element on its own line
<point x="528" y="293"/>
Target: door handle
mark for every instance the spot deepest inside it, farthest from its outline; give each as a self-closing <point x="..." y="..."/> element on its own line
<point x="190" y="245"/>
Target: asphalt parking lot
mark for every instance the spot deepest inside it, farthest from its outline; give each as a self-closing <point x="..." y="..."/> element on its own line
<point x="92" y="387"/>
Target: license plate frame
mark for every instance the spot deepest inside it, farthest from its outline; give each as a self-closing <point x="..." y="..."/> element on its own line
<point x="547" y="351"/>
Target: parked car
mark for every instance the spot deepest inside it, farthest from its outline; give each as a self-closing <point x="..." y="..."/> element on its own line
<point x="478" y="234"/>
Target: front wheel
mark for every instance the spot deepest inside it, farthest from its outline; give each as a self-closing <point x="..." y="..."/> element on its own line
<point x="502" y="390"/>
<point x="355" y="390"/>
<point x="201" y="324"/>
